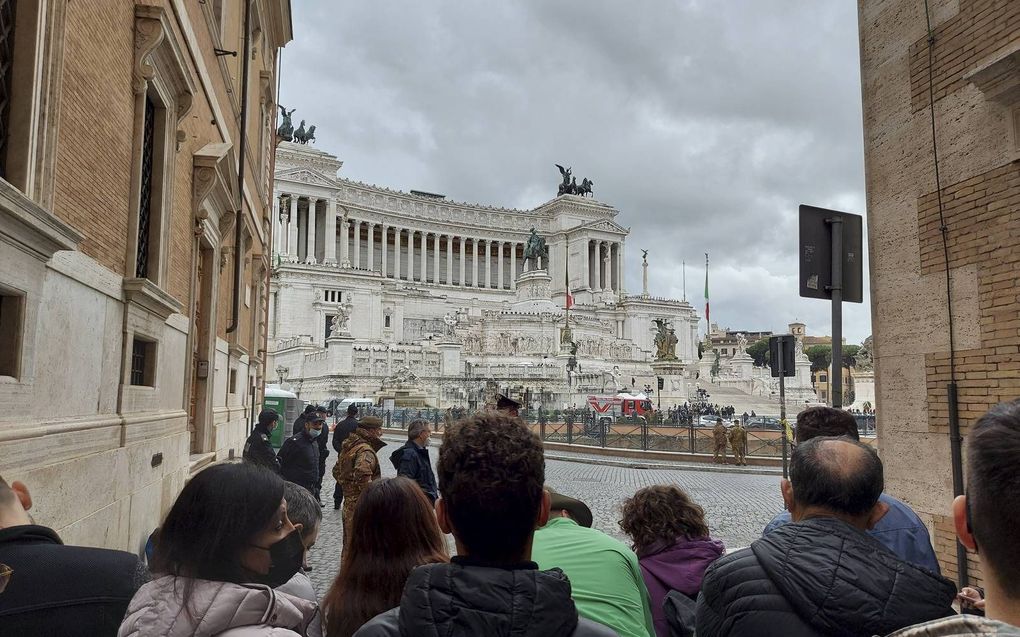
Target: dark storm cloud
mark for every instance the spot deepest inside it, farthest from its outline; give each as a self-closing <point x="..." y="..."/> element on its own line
<point x="705" y="122"/>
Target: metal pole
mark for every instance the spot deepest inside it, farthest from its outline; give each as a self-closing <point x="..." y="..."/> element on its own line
<point x="782" y="408"/>
<point x="836" y="375"/>
<point x="956" y="455"/>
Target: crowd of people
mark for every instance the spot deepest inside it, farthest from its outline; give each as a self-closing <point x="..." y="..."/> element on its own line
<point x="230" y="558"/>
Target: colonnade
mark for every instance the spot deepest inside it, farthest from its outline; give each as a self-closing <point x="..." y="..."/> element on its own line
<point x="307" y="230"/>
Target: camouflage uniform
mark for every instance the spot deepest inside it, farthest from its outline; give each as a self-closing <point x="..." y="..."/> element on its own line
<point x="354" y="469"/>
<point x="719" y="435"/>
<point x="738" y="440"/>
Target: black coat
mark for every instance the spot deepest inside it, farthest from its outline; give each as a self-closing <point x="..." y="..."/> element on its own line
<point x="466" y="599"/>
<point x="819" y="576"/>
<point x="258" y="450"/>
<point x="343" y="429"/>
<point x="413" y="462"/>
<point x="299" y="461"/>
<point x="64" y="590"/>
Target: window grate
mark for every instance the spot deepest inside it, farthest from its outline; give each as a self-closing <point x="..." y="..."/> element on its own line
<point x="6" y="62"/>
<point x="139" y="350"/>
<point x="145" y="201"/>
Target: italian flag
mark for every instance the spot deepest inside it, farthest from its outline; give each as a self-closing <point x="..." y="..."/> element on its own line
<point x="707" y="320"/>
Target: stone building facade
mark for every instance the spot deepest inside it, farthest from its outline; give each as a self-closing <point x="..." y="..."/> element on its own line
<point x="120" y="371"/>
<point x="373" y="286"/>
<point x="975" y="82"/>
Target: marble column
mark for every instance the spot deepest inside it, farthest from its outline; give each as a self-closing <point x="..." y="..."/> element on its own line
<point x="608" y="280"/>
<point x="276" y="223"/>
<point x="620" y="261"/>
<point x="463" y="245"/>
<point x="345" y="243"/>
<point x="396" y="253"/>
<point x="474" y="264"/>
<point x="435" y="258"/>
<point x="310" y="236"/>
<point x="424" y="257"/>
<point x="597" y="252"/>
<point x="329" y="249"/>
<point x="499" y="270"/>
<point x="384" y="246"/>
<point x="370" y="265"/>
<point x="292" y="231"/>
<point x="449" y="259"/>
<point x="487" y="281"/>
<point x="356" y="262"/>
<point x="513" y="266"/>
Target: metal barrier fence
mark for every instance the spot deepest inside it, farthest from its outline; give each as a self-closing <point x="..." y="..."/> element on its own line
<point x="583" y="429"/>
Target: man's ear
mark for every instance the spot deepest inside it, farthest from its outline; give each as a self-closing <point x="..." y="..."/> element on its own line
<point x="963" y="530"/>
<point x="298" y="527"/>
<point x="543" y="511"/>
<point x="786" y="487"/>
<point x="443" y="516"/>
<point x="24" y="496"/>
<point x="877" y="513"/>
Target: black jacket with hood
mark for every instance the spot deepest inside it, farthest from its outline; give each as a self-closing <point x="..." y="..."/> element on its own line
<point x="820" y="576"/>
<point x="413" y="462"/>
<point x="465" y="598"/>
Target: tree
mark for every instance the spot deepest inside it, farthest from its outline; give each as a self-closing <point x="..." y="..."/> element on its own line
<point x="759" y="351"/>
<point x="820" y="357"/>
<point x="850" y="355"/>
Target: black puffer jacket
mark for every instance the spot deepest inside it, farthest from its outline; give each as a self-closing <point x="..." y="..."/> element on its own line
<point x="299" y="461"/>
<point x="413" y="462"/>
<point x="464" y="598"/>
<point x="819" y="576"/>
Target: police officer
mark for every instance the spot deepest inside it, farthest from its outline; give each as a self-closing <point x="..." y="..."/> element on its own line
<point x="323" y="442"/>
<point x="299" y="456"/>
<point x="257" y="448"/>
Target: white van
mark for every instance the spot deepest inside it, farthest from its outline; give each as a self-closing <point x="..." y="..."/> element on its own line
<point x="341" y="409"/>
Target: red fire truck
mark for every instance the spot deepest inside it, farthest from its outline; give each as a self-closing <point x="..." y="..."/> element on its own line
<point x="623" y="405"/>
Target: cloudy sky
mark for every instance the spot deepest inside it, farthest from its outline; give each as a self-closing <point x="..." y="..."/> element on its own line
<point x="705" y="122"/>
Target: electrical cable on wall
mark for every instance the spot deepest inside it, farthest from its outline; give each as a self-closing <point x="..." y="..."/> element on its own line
<point x="955" y="439"/>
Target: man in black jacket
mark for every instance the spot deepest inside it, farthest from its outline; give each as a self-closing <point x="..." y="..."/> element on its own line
<point x="299" y="455"/>
<point x="257" y="448"/>
<point x="492" y="473"/>
<point x="822" y="574"/>
<point x="343" y="429"/>
<point x="323" y="441"/>
<point x="56" y="589"/>
<point x="412" y="460"/>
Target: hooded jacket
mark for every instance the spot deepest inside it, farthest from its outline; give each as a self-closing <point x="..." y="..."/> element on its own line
<point x="216" y="608"/>
<point x="820" y="576"/>
<point x="676" y="567"/>
<point x="299" y="460"/>
<point x="413" y="462"/>
<point x="464" y="598"/>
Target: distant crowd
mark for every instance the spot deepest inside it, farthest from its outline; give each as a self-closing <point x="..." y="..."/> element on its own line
<point x="844" y="558"/>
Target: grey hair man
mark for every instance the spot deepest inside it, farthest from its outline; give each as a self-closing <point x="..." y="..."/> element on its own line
<point x="412" y="460"/>
<point x="822" y="573"/>
<point x="306" y="515"/>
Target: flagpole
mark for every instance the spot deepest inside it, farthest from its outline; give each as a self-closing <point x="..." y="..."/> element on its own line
<point x="708" y="321"/>
<point x="684" y="265"/>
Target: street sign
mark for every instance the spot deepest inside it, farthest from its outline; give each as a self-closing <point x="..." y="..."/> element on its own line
<point x="789" y="363"/>
<point x="816" y="254"/>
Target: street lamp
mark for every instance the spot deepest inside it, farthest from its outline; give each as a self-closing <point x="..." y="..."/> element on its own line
<point x="281" y="372"/>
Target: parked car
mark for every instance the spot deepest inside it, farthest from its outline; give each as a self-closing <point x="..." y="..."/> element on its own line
<point x="764" y="422"/>
<point x="708" y="421"/>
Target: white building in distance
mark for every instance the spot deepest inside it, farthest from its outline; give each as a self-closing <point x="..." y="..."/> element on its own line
<point x="408" y="296"/>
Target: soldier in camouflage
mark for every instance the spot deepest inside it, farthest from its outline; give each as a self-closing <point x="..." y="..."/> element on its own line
<point x="358" y="464"/>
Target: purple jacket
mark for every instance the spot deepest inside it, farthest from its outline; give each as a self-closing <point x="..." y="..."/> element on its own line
<point x="676" y="567"/>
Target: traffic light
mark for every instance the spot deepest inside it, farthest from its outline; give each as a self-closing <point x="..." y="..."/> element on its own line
<point x="662" y="383"/>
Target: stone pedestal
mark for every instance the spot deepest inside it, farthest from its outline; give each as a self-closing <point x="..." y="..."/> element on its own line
<point x="864" y="390"/>
<point x="449" y="357"/>
<point x="340" y="353"/>
<point x="675" y="377"/>
<point x="799" y="389"/>
<point x="741" y="364"/>
<point x="534" y="292"/>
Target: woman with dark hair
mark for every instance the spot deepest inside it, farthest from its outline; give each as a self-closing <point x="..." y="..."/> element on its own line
<point x="394" y="530"/>
<point x="225" y="544"/>
<point x="670" y="537"/>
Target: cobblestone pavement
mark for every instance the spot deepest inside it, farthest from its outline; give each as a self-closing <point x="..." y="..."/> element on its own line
<point x="737" y="505"/>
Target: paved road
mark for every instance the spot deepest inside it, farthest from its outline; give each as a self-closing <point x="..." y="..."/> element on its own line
<point x="737" y="505"/>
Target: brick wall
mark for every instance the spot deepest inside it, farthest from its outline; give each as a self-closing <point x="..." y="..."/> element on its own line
<point x="944" y="539"/>
<point x="96" y="120"/>
<point x="981" y="28"/>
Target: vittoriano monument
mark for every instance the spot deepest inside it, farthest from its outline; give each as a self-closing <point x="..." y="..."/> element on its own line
<point x="286" y="130"/>
<point x="569" y="184"/>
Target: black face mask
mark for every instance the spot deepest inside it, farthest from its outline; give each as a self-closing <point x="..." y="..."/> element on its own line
<point x="287" y="556"/>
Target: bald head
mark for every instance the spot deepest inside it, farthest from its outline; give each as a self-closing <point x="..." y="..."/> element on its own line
<point x="837" y="475"/>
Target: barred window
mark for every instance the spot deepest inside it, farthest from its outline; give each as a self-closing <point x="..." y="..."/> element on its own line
<point x="143" y="362"/>
<point x="145" y="201"/>
<point x="6" y="63"/>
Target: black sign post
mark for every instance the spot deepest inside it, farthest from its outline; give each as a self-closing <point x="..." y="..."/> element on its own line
<point x="781" y="351"/>
<point x="831" y="268"/>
